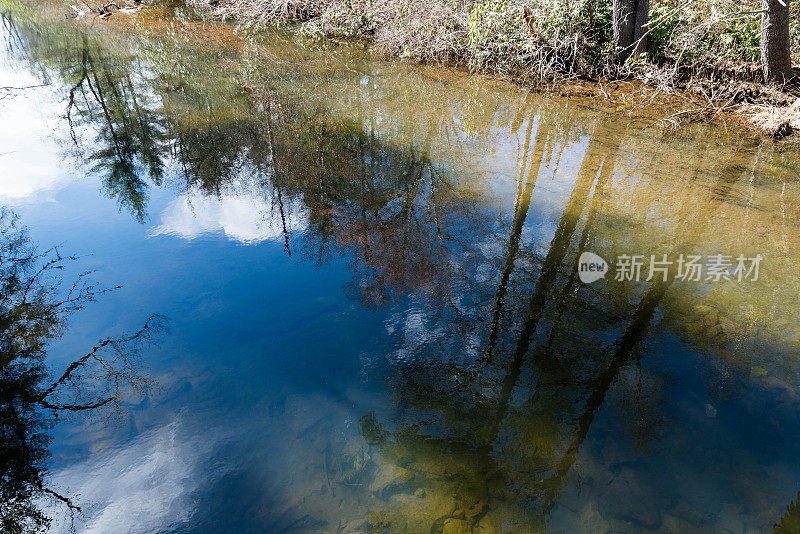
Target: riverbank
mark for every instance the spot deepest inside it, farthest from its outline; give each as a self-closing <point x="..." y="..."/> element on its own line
<point x="699" y="66"/>
<point x="703" y="55"/>
<point x="371" y="271"/>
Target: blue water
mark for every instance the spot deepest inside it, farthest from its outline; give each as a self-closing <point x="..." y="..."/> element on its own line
<point x="332" y="375"/>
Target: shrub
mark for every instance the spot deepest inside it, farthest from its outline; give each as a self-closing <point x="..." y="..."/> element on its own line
<point x="535" y="39"/>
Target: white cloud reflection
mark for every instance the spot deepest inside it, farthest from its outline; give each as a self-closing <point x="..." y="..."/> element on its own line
<point x="148" y="486"/>
<point x="31" y="160"/>
<point x="248" y="214"/>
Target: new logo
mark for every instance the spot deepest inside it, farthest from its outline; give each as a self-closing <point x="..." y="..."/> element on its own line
<point x="591" y="267"/>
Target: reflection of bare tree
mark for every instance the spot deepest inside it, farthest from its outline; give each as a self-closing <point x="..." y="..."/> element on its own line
<point x="521" y="206"/>
<point x="388" y="209"/>
<point x="33" y="311"/>
<point x="596" y="153"/>
<point x="452" y="433"/>
<point x="275" y="162"/>
<point x="458" y="452"/>
<point x="630" y="343"/>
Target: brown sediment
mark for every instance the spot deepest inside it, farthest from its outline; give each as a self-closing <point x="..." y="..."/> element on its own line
<point x="160" y="20"/>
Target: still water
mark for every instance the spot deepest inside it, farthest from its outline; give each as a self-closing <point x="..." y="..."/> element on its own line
<point x="369" y="314"/>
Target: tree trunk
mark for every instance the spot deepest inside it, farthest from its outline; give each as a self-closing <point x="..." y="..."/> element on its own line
<point x="630" y="17"/>
<point x="640" y="30"/>
<point x="775" y="41"/>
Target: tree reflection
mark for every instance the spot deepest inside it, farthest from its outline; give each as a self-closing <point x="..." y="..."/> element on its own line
<point x="103" y="100"/>
<point x="790" y="521"/>
<point x="34" y="308"/>
<point x="515" y="358"/>
<point x="505" y="458"/>
<point x="127" y="144"/>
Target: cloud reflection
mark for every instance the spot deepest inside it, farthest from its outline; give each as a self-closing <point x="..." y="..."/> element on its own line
<point x="27" y="165"/>
<point x="147" y="486"/>
<point x="248" y="215"/>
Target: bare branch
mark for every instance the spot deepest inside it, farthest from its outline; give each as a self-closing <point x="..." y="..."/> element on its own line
<point x="77" y="364"/>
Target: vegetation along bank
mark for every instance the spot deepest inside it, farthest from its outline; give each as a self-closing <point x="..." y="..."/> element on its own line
<point x="721" y="56"/>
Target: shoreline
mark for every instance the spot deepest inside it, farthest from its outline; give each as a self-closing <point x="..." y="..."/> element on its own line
<point x="678" y="106"/>
<point x="726" y="92"/>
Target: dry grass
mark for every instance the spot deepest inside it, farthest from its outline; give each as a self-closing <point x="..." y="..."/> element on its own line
<point x="778" y="121"/>
<point x="687" y="37"/>
<point x="271" y="11"/>
<point x="421" y="30"/>
<point x="488" y="35"/>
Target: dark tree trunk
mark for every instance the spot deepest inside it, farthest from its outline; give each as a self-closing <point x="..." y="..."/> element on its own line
<point x="775" y="53"/>
<point x="630" y="17"/>
<point x="624" y="19"/>
<point x="520" y="214"/>
<point x="640" y="32"/>
<point x="591" y="165"/>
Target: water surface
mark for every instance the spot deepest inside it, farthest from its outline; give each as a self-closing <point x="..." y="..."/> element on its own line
<point x="369" y="273"/>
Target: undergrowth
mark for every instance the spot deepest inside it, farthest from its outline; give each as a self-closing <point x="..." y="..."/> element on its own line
<point x="708" y="46"/>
